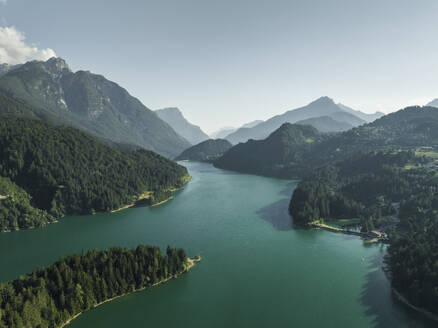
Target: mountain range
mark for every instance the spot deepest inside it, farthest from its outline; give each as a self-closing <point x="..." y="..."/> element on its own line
<point x="174" y="117"/>
<point x="225" y="131"/>
<point x="291" y="151"/>
<point x="89" y="102"/>
<point x="344" y="116"/>
<point x="433" y="103"/>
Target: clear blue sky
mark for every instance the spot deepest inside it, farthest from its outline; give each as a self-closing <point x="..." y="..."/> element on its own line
<point x="230" y="62"/>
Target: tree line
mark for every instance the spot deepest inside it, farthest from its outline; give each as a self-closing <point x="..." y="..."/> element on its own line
<point x="366" y="186"/>
<point x="48" y="297"/>
<point x="68" y="172"/>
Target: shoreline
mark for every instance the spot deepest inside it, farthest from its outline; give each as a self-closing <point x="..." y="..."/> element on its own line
<point x="371" y="237"/>
<point x="162" y="202"/>
<point x="402" y="299"/>
<point x="191" y="262"/>
<point x="147" y="195"/>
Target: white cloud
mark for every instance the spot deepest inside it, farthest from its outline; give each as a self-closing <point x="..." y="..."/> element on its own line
<point x="14" y="50"/>
<point x="3" y="2"/>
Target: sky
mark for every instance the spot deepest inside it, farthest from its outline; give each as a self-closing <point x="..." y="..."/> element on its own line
<point x="229" y="62"/>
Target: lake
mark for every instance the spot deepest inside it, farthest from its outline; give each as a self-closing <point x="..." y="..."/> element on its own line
<point x="256" y="270"/>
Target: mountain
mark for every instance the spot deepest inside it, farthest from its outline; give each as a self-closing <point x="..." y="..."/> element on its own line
<point x="176" y="120"/>
<point x="278" y="155"/>
<point x="5" y="68"/>
<point x="89" y="102"/>
<point x="206" y="151"/>
<point x="323" y="106"/>
<point x="364" y="116"/>
<point x="222" y="132"/>
<point x="409" y="129"/>
<point x="326" y="124"/>
<point x="251" y="124"/>
<point x="433" y="103"/>
<point x="66" y="171"/>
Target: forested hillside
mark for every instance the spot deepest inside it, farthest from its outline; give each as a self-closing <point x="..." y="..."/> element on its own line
<point x="68" y="172"/>
<point x="16" y="210"/>
<point x="206" y="151"/>
<point x="49" y="297"/>
<point x="367" y="187"/>
<point x="364" y="186"/>
<point x="280" y="155"/>
<point x="408" y="129"/>
<point x="88" y="102"/>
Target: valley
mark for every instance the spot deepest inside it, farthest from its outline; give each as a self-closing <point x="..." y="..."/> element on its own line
<point x="241" y="249"/>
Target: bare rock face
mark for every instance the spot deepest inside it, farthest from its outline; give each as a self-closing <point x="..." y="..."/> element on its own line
<point x="90" y="102"/>
<point x="177" y="121"/>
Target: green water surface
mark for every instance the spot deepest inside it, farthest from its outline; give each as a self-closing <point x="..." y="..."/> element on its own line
<point x="256" y="271"/>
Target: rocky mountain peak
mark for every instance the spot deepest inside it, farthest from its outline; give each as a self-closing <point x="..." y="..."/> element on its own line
<point x="323" y="101"/>
<point x="57" y="65"/>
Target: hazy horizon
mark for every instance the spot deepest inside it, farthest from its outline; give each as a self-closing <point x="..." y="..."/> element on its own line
<point x="229" y="63"/>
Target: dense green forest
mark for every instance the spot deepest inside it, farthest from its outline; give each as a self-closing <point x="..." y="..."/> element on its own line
<point x="206" y="151"/>
<point x="50" y="296"/>
<point x="68" y="172"/>
<point x="280" y="155"/>
<point x="291" y="152"/>
<point x="412" y="260"/>
<point x="366" y="186"/>
<point x="16" y="210"/>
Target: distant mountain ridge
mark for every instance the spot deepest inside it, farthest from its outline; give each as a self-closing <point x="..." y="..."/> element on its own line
<point x="407" y="129"/>
<point x="364" y="116"/>
<point x="433" y="103"/>
<point x="89" y="102"/>
<point x="5" y="68"/>
<point x="326" y="124"/>
<point x="322" y="107"/>
<point x="222" y="132"/>
<point x="173" y="116"/>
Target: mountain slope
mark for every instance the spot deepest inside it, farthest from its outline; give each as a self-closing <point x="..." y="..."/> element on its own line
<point x="222" y="132"/>
<point x="364" y="116"/>
<point x="433" y="103"/>
<point x="251" y="124"/>
<point x="206" y="151"/>
<point x="410" y="128"/>
<point x="92" y="103"/>
<point x="278" y="155"/>
<point x="173" y="117"/>
<point x="323" y="106"/>
<point x="16" y="210"/>
<point x="5" y="68"/>
<point x="66" y="171"/>
<point x="326" y="124"/>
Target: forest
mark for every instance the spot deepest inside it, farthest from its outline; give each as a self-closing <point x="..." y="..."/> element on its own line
<point x="50" y="296"/>
<point x="295" y="151"/>
<point x="367" y="186"/>
<point x="206" y="151"/>
<point x="16" y="210"/>
<point x="412" y="259"/>
<point x="68" y="172"/>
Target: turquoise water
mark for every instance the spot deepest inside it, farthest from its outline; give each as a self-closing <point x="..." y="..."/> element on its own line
<point x="256" y="271"/>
